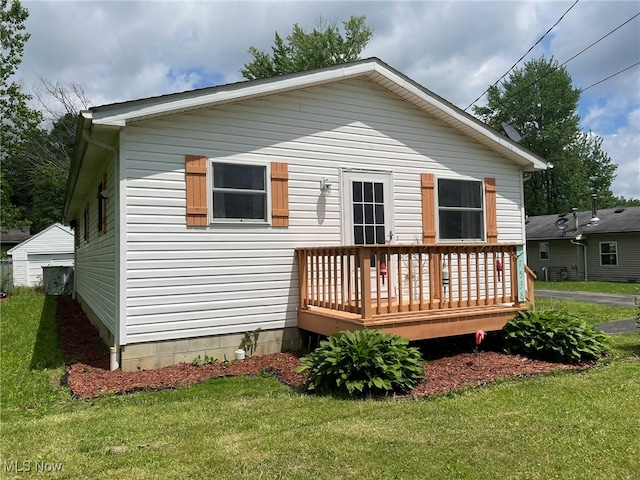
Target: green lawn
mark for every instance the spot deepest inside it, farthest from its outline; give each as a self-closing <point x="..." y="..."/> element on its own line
<point x="603" y="287"/>
<point x="564" y="426"/>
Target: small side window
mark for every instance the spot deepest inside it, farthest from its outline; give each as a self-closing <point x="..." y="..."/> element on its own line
<point x="86" y="224"/>
<point x="609" y="253"/>
<point x="543" y="248"/>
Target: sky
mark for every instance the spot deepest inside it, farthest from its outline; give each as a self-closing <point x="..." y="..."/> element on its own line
<point x="126" y="50"/>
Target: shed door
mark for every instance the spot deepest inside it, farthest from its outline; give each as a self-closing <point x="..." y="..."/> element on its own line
<point x="368" y="213"/>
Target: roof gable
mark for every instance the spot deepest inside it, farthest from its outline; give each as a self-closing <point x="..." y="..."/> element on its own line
<point x="99" y="127"/>
<point x="57" y="229"/>
<point x="125" y="113"/>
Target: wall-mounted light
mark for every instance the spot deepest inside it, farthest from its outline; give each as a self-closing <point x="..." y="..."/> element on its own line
<point x="325" y="186"/>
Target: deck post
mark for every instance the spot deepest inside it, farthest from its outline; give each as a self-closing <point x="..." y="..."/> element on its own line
<point x="365" y="281"/>
<point x="302" y="277"/>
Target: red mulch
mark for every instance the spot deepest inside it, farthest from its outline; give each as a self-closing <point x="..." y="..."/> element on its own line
<point x="89" y="376"/>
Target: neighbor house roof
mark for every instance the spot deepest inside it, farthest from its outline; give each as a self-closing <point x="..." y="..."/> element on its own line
<point x="611" y="220"/>
<point x="15" y="236"/>
<point x="98" y="127"/>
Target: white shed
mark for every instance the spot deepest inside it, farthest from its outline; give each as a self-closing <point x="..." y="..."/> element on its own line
<point x="51" y="247"/>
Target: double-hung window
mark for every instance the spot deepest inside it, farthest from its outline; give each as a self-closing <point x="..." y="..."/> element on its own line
<point x="239" y="192"/>
<point x="460" y="210"/>
<point x="543" y="250"/>
<point x="609" y="253"/>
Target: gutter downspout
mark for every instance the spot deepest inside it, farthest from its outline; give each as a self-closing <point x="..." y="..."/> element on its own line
<point x="585" y="256"/>
<point x="114" y="350"/>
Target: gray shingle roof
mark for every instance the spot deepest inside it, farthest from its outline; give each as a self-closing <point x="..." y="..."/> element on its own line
<point x="611" y="220"/>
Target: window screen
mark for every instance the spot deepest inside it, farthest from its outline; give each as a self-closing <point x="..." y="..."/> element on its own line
<point x="239" y="191"/>
<point x="460" y="210"/>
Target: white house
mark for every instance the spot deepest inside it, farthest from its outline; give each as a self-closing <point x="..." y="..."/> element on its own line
<point x="53" y="246"/>
<point x="197" y="214"/>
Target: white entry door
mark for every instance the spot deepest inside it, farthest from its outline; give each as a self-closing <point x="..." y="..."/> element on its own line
<point x="368" y="214"/>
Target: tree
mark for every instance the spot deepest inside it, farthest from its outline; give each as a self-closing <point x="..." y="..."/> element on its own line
<point x="19" y="123"/>
<point x="37" y="173"/>
<point x="540" y="101"/>
<point x="301" y="51"/>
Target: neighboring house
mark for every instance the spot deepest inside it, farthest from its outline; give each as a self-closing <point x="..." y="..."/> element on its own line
<point x="601" y="245"/>
<point x="53" y="246"/>
<point x="198" y="215"/>
<point x="12" y="237"/>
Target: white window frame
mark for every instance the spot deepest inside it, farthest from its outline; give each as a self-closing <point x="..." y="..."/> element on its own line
<point x="482" y="210"/>
<point x="600" y="254"/>
<point x="267" y="191"/>
<point x="543" y="250"/>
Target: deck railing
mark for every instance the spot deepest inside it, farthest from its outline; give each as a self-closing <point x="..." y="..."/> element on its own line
<point x="373" y="280"/>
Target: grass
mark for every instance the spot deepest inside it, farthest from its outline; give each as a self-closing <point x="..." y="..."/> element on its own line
<point x="563" y="425"/>
<point x="602" y="287"/>
<point x="591" y="313"/>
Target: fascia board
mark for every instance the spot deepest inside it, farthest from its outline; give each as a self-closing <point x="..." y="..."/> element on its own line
<point x="129" y="113"/>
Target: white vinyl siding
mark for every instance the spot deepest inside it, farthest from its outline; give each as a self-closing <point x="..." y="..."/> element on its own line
<point x="234" y="278"/>
<point x="95" y="272"/>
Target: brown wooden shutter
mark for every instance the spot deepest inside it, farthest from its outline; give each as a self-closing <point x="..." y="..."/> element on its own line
<point x="196" y="178"/>
<point x="490" y="210"/>
<point x="279" y="194"/>
<point x="427" y="187"/>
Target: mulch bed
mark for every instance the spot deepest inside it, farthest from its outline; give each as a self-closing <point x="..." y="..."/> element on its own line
<point x="452" y="364"/>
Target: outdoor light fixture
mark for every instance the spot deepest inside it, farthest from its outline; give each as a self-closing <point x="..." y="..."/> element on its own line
<point x="325" y="186"/>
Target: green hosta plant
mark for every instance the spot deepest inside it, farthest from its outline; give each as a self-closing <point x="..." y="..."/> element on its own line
<point x="554" y="335"/>
<point x="364" y="362"/>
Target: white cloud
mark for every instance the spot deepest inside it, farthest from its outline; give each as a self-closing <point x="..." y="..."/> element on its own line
<point x="126" y="50"/>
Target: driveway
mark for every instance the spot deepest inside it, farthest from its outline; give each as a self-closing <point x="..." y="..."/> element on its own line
<point x="615" y="300"/>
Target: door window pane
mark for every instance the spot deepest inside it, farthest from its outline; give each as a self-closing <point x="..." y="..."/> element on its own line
<point x="357" y="191"/>
<point x="368" y="213"/>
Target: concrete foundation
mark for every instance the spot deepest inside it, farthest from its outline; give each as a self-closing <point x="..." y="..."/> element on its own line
<point x="150" y="355"/>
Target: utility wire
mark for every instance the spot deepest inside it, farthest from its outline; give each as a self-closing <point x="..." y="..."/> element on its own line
<point x="527" y="53"/>
<point x="526" y="87"/>
<point x="610" y="76"/>
<point x="600" y="39"/>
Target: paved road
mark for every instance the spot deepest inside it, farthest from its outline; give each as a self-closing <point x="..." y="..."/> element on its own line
<point x="620" y="326"/>
<point x="602" y="298"/>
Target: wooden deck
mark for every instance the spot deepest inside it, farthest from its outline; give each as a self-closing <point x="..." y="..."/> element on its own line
<point x="425" y="292"/>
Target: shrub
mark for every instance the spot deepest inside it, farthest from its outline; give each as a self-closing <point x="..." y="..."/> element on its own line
<point x="364" y="362"/>
<point x="554" y="335"/>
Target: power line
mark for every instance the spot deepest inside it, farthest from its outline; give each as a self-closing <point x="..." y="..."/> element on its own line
<point x="610" y="76"/>
<point x="526" y="87"/>
<point x="527" y="53"/>
<point x="600" y="39"/>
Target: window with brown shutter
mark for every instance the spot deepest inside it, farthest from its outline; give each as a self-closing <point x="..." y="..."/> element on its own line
<point x="239" y="192"/>
<point x="461" y="214"/>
